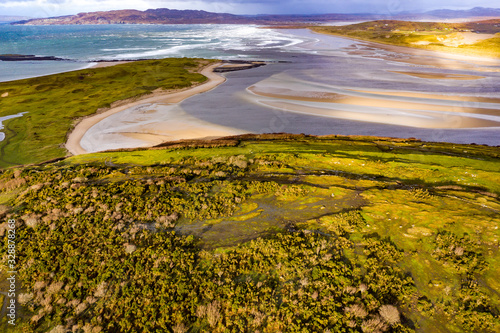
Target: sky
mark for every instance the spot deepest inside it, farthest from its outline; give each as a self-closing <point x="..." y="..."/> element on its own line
<point x="51" y="8"/>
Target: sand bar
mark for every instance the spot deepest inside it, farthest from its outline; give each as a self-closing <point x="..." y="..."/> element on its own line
<point x="74" y="139"/>
<point x="441" y="76"/>
<point x="306" y="90"/>
<point x="103" y="64"/>
<point x="418" y="56"/>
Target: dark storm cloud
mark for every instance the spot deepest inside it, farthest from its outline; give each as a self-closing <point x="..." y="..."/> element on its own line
<point x="22" y="7"/>
<point x="345" y="6"/>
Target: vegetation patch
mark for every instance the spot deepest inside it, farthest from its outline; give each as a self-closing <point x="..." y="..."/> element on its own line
<point x="399" y="236"/>
<point x="54" y="103"/>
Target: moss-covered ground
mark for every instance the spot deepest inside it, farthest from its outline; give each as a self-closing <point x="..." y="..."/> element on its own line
<point x="262" y="233"/>
<point x="425" y="35"/>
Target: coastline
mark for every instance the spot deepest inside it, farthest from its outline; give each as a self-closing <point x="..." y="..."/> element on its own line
<point x="73" y="143"/>
<point x="102" y="64"/>
<point x="411" y="49"/>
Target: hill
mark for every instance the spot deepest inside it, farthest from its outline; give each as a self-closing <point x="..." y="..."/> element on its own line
<point x="474" y="12"/>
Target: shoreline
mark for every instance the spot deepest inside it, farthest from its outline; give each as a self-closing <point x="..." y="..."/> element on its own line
<point x="170" y="97"/>
<point x="409" y="49"/>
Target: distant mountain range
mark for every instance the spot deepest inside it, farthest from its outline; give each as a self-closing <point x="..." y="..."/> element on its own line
<point x="8" y="19"/>
<point x="172" y="16"/>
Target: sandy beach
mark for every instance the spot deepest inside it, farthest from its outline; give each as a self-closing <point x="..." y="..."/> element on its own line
<point x="420" y="57"/>
<point x="182" y="127"/>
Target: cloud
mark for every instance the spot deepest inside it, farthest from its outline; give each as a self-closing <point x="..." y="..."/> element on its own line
<point x="51" y="8"/>
<point x="47" y="8"/>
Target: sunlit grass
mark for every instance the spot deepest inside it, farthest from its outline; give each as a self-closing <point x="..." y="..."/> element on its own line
<point x="53" y="103"/>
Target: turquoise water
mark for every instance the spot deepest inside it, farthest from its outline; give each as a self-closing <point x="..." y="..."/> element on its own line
<point x="82" y="44"/>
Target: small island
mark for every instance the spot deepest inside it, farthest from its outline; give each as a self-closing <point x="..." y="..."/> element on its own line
<point x="26" y="57"/>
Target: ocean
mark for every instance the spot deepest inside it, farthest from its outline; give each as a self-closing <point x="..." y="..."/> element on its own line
<point x="84" y="44"/>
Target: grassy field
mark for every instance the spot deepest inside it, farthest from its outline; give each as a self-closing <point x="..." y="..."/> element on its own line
<point x="444" y="37"/>
<point x="53" y="103"/>
<point x="263" y="233"/>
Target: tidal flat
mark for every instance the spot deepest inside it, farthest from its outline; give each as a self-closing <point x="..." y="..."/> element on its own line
<point x="261" y="232"/>
<point x="326" y="87"/>
<point x="322" y="85"/>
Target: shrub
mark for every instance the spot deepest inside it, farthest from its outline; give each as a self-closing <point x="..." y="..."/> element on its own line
<point x="390" y="314"/>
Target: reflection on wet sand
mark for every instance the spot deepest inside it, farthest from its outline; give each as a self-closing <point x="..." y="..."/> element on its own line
<point x="149" y="124"/>
<point x="419" y="57"/>
<point x="441" y="76"/>
<point x="327" y="85"/>
<point x="320" y="87"/>
<point x="287" y="93"/>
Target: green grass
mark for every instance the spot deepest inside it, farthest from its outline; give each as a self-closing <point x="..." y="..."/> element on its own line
<point x="22" y="315"/>
<point x="53" y="103"/>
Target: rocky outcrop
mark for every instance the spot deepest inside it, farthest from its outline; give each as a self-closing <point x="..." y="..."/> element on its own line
<point x="237" y="65"/>
<point x="24" y="57"/>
